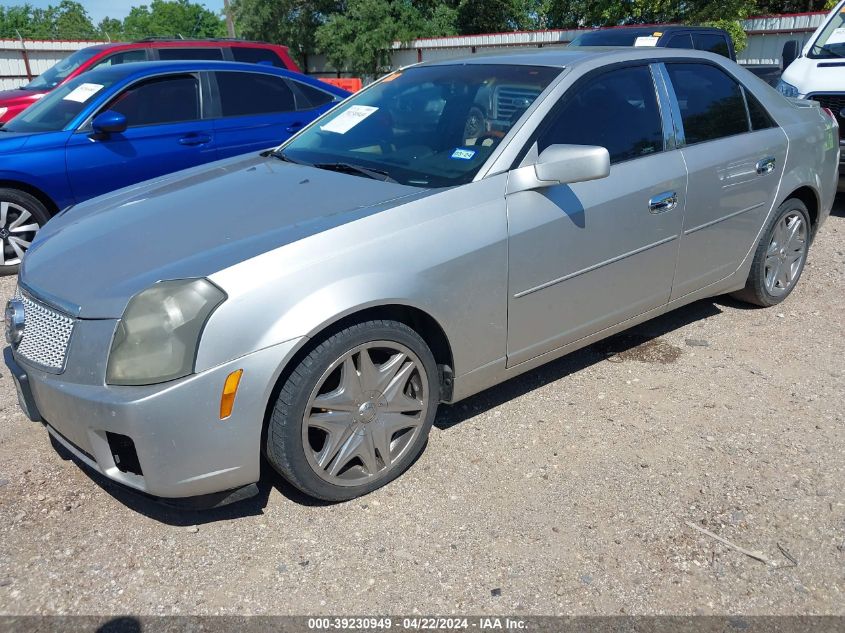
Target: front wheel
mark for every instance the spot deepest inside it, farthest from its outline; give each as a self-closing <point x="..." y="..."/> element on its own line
<point x="355" y="412"/>
<point x="780" y="256"/>
<point x="21" y="217"/>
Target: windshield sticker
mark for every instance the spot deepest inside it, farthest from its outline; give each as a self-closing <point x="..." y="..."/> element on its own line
<point x="348" y="119"/>
<point x="463" y="154"/>
<point x="83" y="92"/>
<point x="649" y="40"/>
<point x="837" y="37"/>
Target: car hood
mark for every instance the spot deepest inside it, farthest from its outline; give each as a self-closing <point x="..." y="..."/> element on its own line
<point x="11" y="141"/>
<point x="94" y="257"/>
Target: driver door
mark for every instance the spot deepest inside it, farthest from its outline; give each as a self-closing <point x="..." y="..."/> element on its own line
<point x="586" y="256"/>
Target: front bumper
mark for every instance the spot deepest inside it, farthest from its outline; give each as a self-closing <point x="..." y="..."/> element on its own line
<point x="164" y="440"/>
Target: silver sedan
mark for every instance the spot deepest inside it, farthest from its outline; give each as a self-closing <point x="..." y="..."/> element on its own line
<point x="453" y="225"/>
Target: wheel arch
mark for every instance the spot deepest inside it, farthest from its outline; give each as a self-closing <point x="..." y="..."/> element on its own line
<point x="32" y="190"/>
<point x="414" y="317"/>
<point x="810" y="197"/>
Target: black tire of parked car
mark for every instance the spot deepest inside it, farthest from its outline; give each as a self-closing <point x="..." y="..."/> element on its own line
<point x="284" y="447"/>
<point x="755" y="291"/>
<point x="19" y="200"/>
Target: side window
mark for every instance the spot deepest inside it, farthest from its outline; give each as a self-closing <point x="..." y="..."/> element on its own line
<point x="244" y="94"/>
<point x="256" y="55"/>
<point x="682" y="40"/>
<point x="712" y="42"/>
<point x="126" y="57"/>
<point x="167" y="54"/>
<point x="760" y="119"/>
<point x="710" y="101"/>
<point x="617" y="110"/>
<point x="158" y="101"/>
<point x="314" y="97"/>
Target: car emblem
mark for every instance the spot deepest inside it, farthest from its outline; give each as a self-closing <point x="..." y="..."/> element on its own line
<point x="14" y="322"/>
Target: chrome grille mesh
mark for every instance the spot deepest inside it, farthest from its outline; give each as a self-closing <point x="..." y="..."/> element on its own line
<point x="511" y="100"/>
<point x="46" y="334"/>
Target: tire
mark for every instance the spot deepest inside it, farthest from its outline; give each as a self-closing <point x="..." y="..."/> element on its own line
<point x="21" y="217"/>
<point x="780" y="256"/>
<point x="342" y="427"/>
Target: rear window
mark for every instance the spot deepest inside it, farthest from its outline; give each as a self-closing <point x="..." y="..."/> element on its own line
<point x="712" y="42"/>
<point x="257" y="55"/>
<point x="169" y="54"/>
<point x="245" y="94"/>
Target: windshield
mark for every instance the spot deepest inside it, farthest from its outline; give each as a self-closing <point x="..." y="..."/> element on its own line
<point x="56" y="74"/>
<point x="831" y="41"/>
<point x="428" y="126"/>
<point x="56" y="109"/>
<point x="610" y="37"/>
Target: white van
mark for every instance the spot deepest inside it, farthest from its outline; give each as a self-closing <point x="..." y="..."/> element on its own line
<point x="818" y="72"/>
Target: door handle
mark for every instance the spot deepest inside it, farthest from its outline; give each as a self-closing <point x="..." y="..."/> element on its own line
<point x="194" y="139"/>
<point x="663" y="202"/>
<point x="293" y="127"/>
<point x="766" y="165"/>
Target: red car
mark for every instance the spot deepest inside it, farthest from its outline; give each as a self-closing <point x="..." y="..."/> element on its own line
<point x="14" y="101"/>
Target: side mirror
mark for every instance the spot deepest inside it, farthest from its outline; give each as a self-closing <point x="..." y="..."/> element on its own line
<point x="789" y="54"/>
<point x="108" y="122"/>
<point x="561" y="164"/>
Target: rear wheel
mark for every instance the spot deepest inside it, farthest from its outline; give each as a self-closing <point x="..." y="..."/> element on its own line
<point x="21" y="217"/>
<point x="780" y="256"/>
<point x="355" y="413"/>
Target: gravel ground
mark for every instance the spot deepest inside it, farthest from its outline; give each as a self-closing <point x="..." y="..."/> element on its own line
<point x="565" y="491"/>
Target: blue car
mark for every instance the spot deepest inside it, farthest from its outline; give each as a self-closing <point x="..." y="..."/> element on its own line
<point x="120" y="125"/>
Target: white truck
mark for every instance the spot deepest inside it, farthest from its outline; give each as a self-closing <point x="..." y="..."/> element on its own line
<point x="817" y="72"/>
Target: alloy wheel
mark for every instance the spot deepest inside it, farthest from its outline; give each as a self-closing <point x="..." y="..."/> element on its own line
<point x="17" y="230"/>
<point x="366" y="410"/>
<point x="786" y="253"/>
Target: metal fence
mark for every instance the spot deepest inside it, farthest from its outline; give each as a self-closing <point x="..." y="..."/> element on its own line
<point x="22" y="60"/>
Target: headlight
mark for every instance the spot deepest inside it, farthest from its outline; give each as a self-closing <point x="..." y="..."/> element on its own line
<point x="787" y="90"/>
<point x="157" y="337"/>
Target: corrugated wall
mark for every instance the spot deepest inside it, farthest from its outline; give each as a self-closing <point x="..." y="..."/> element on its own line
<point x="39" y="55"/>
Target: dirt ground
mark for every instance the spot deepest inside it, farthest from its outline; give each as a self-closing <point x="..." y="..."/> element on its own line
<point x="565" y="491"/>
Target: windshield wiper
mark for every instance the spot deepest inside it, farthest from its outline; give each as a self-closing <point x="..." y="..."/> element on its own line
<point x="827" y="50"/>
<point x="348" y="168"/>
<point x="282" y="156"/>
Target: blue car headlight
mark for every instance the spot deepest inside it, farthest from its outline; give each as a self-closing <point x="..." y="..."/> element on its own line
<point x="787" y="90"/>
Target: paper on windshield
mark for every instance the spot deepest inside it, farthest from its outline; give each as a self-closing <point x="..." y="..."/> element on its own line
<point x="648" y="40"/>
<point x="837" y="37"/>
<point x="345" y="121"/>
<point x="83" y="92"/>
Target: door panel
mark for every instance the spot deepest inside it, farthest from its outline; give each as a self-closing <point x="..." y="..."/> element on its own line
<point x="727" y="202"/>
<point x="164" y="134"/>
<point x="587" y="256"/>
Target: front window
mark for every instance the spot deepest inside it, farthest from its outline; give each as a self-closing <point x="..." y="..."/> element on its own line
<point x="429" y="126"/>
<point x="58" y="108"/>
<point x="831" y="41"/>
<point x="56" y="74"/>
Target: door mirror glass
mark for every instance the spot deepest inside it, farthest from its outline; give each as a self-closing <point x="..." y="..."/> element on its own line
<point x="109" y="122"/>
<point x="790" y="54"/>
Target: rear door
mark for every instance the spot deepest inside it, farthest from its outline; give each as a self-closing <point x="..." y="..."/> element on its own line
<point x="735" y="156"/>
<point x="255" y="111"/>
<point x="165" y="133"/>
<point x="586" y="256"/>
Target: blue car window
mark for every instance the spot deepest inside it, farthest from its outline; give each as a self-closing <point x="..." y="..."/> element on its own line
<point x="244" y="94"/>
<point x="315" y="97"/>
<point x="161" y="100"/>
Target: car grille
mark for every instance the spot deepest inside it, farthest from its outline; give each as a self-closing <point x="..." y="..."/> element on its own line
<point x="835" y="103"/>
<point x="511" y="99"/>
<point x="46" y="335"/>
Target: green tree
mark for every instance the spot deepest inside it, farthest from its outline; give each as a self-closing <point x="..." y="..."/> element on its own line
<point x="67" y="20"/>
<point x="361" y="38"/>
<point x="71" y="21"/>
<point x="293" y="23"/>
<point x="111" y="28"/>
<point x="169" y="18"/>
<point x="488" y="16"/>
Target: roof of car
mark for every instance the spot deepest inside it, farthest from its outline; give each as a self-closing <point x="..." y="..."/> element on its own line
<point x="567" y="57"/>
<point x="147" y="69"/>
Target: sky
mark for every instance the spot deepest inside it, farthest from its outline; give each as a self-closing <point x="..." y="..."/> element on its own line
<point x="98" y="9"/>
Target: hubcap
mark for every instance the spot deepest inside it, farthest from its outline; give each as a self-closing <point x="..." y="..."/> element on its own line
<point x="17" y="230"/>
<point x="367" y="409"/>
<point x="786" y="254"/>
